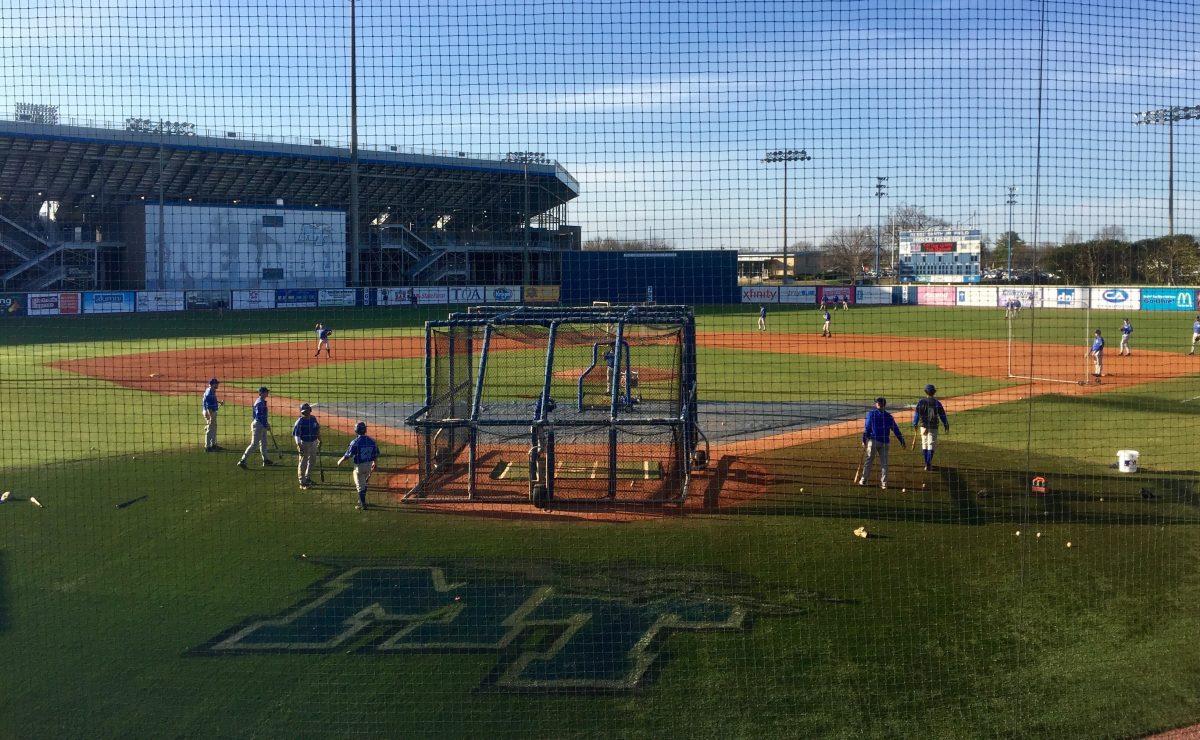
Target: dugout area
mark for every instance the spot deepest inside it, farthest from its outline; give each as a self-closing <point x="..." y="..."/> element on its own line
<point x="559" y="405"/>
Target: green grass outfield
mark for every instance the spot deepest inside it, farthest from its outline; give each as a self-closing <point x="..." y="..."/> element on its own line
<point x="945" y="624"/>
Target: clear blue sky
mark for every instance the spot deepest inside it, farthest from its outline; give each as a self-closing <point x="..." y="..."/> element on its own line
<point x="663" y="109"/>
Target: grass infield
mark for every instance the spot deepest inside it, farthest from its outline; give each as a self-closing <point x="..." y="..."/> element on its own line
<point x="944" y="622"/>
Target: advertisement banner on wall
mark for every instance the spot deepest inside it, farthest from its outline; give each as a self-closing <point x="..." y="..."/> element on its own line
<point x="253" y="299"/>
<point x="12" y="304"/>
<point x="53" y="304"/>
<point x="296" y="298"/>
<point x="1060" y="296"/>
<point x="337" y="297"/>
<point x="798" y="294"/>
<point x="475" y="294"/>
<point x="541" y="293"/>
<point x="981" y="296"/>
<point x="760" y="294"/>
<point x="1024" y="295"/>
<point x="504" y="294"/>
<point x="875" y="295"/>
<point x="1116" y="299"/>
<point x="414" y="296"/>
<point x="835" y="294"/>
<point x="160" y="300"/>
<point x="123" y="301"/>
<point x="936" y="295"/>
<point x="205" y="299"/>
<point x="1168" y="299"/>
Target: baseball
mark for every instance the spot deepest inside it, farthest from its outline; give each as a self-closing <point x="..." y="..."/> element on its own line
<point x="1018" y="533"/>
<point x="1068" y="544"/>
<point x="903" y="490"/>
<point x="1039" y="534"/>
<point x="4" y="496"/>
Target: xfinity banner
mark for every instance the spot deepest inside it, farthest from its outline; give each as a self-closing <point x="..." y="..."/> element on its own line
<point x="798" y="294"/>
<point x="296" y="298"/>
<point x="760" y="294"/>
<point x="1168" y="299"/>
<point x="337" y="297"/>
<point x="253" y="299"/>
<point x="1116" y="299"/>
<point x="124" y="301"/>
<point x="160" y="300"/>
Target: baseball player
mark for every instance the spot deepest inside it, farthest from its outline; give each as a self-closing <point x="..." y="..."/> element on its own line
<point x="364" y="452"/>
<point x="877" y="432"/>
<point x="210" y="405"/>
<point x="825" y="332"/>
<point x="845" y="303"/>
<point x="1097" y="353"/>
<point x="307" y="434"/>
<point x="1195" y="334"/>
<point x="259" y="426"/>
<point x="762" y="317"/>
<point x="323" y="334"/>
<point x="1126" y="331"/>
<point x="926" y="416"/>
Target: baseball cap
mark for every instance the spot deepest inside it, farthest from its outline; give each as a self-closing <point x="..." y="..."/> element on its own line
<point x="305" y="407"/>
<point x="930" y="389"/>
<point x="881" y="401"/>
<point x="213" y="381"/>
<point x="360" y="427"/>
<point x="264" y="389"/>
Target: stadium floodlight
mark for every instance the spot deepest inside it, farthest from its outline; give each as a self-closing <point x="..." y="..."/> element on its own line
<point x="785" y="156"/>
<point x="880" y="191"/>
<point x="1012" y="201"/>
<point x="1168" y="116"/>
<point x="525" y="159"/>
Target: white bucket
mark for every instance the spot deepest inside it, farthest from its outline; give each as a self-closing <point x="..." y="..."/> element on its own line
<point x="1127" y="461"/>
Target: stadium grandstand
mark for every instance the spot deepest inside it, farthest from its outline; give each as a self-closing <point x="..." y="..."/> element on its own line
<point x="79" y="206"/>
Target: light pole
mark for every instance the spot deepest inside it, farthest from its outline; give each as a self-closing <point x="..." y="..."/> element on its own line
<point x="785" y="156"/>
<point x="355" y="256"/>
<point x="1012" y="201"/>
<point x="880" y="191"/>
<point x="1169" y="116"/>
<point x="526" y="159"/>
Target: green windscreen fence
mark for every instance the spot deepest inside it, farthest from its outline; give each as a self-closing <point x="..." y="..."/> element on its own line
<point x="793" y="369"/>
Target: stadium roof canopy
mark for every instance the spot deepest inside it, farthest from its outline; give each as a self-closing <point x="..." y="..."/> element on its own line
<point x="85" y="167"/>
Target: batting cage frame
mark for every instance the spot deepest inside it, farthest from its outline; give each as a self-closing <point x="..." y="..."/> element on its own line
<point x="557" y="405"/>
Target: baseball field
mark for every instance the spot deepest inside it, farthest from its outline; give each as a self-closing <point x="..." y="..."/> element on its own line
<point x="1024" y="587"/>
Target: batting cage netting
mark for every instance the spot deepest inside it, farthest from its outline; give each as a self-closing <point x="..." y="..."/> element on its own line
<point x="682" y="368"/>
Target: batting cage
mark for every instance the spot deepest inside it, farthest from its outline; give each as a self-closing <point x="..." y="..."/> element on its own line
<point x="559" y="405"/>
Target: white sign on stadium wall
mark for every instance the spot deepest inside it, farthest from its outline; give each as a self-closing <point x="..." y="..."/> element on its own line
<point x="253" y="299"/>
<point x="798" y="294"/>
<point x="1024" y="295"/>
<point x="977" y="296"/>
<point x="160" y="300"/>
<point x="337" y="297"/>
<point x="416" y="295"/>
<point x="504" y="294"/>
<point x="873" y="295"/>
<point x="760" y="294"/>
<point x="466" y="294"/>
<point x="1058" y="296"/>
<point x="1117" y="299"/>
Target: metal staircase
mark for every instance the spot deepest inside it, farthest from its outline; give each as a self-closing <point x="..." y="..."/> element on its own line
<point x="32" y="261"/>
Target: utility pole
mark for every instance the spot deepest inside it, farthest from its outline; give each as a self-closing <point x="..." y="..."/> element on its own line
<point x="1012" y="201"/>
<point x="880" y="192"/>
<point x="1169" y="116"/>
<point x="785" y="156"/>
<point x="355" y="256"/>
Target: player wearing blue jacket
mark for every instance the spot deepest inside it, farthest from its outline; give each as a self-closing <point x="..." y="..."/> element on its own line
<point x="209" y="405"/>
<point x="762" y="318"/>
<point x="928" y="413"/>
<point x="259" y="426"/>
<point x="323" y="335"/>
<point x="1097" y="353"/>
<point x="877" y="433"/>
<point x="363" y="452"/>
<point x="1126" y="332"/>
<point x="825" y="331"/>
<point x="306" y="433"/>
<point x="1195" y="334"/>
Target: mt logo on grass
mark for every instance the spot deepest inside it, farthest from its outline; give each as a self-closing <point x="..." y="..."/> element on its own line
<point x="552" y="628"/>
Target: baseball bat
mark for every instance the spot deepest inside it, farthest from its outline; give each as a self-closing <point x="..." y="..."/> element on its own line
<point x="275" y="442"/>
<point x="858" y="470"/>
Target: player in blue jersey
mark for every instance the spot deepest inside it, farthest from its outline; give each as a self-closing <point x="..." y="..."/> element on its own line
<point x="1097" y="353"/>
<point x="306" y="433"/>
<point x="762" y="317"/>
<point x="1195" y="334"/>
<point x="928" y="413"/>
<point x="363" y="452"/>
<point x="259" y="426"/>
<point x="825" y="331"/>
<point x="877" y="431"/>
<point x="1126" y="332"/>
<point x="209" y="405"/>
<point x="323" y="335"/>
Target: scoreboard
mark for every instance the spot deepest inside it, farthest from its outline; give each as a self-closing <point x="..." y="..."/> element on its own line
<point x="940" y="256"/>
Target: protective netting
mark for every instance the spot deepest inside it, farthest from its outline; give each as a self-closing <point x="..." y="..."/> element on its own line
<point x="559" y="264"/>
